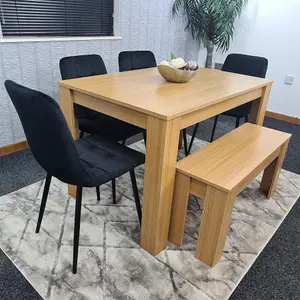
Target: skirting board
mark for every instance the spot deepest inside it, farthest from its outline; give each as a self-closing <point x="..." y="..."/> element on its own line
<point x="9" y="149"/>
<point x="282" y="117"/>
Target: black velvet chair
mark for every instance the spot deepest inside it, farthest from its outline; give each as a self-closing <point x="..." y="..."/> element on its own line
<point x="90" y="121"/>
<point x="241" y="64"/>
<point x="88" y="162"/>
<point x="135" y="60"/>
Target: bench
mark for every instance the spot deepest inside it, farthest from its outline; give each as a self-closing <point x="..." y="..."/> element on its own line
<point x="217" y="174"/>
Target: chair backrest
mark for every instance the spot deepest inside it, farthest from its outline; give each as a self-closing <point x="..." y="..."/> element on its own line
<point x="135" y="60"/>
<point x="246" y="65"/>
<point x="82" y="66"/>
<point x="47" y="133"/>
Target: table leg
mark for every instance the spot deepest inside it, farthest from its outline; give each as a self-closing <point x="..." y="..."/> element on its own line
<point x="271" y="173"/>
<point x="179" y="208"/>
<point x="215" y="222"/>
<point x="259" y="106"/>
<point x="161" y="157"/>
<point x="180" y="144"/>
<point x="67" y="107"/>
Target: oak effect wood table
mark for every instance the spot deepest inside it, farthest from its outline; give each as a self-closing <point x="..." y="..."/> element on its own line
<point x="144" y="99"/>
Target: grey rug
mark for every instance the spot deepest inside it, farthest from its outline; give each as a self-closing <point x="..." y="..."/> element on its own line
<point x="111" y="263"/>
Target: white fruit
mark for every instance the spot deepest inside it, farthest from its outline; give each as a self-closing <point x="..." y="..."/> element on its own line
<point x="164" y="63"/>
<point x="178" y="63"/>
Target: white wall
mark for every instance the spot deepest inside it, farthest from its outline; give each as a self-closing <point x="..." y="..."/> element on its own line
<point x="271" y="28"/>
<point x="143" y="24"/>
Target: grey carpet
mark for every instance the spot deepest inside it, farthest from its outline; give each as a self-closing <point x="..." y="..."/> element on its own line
<point x="273" y="276"/>
<point x="276" y="272"/>
<point x="12" y="283"/>
<point x="18" y="170"/>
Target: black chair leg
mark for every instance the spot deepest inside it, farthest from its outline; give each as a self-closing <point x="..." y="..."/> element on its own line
<point x="98" y="192"/>
<point x="214" y="128"/>
<point x="145" y="137"/>
<point x="77" y="228"/>
<point x="113" y="184"/>
<point x="246" y="119"/>
<point x="237" y="122"/>
<point x="81" y="135"/>
<point x="124" y="142"/>
<point x="43" y="203"/>
<point x="185" y="142"/>
<point x="193" y="138"/>
<point x="136" y="196"/>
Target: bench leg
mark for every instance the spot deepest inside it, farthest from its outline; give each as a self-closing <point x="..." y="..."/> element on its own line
<point x="179" y="208"/>
<point x="215" y="222"/>
<point x="272" y="171"/>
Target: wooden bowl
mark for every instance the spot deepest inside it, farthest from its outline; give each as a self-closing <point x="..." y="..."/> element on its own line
<point x="175" y="75"/>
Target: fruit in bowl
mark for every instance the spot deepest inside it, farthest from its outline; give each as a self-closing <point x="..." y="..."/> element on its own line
<point x="177" y="70"/>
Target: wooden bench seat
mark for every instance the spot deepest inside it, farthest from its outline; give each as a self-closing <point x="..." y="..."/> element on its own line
<point x="217" y="174"/>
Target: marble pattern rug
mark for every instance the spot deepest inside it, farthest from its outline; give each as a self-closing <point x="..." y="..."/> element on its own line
<point x="111" y="264"/>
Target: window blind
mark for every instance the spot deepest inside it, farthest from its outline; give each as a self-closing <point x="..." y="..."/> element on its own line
<point x="57" y="17"/>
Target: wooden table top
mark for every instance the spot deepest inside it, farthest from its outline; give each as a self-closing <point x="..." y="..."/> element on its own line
<point x="147" y="92"/>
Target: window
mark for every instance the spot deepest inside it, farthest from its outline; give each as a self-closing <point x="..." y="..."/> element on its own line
<point x="57" y="17"/>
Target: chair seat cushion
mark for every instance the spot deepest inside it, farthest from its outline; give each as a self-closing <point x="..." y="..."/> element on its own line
<point x="105" y="160"/>
<point x="108" y="127"/>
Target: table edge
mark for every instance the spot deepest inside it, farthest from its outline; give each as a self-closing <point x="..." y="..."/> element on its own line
<point x="62" y="83"/>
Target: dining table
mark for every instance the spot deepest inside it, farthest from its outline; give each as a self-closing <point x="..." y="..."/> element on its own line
<point x="143" y="98"/>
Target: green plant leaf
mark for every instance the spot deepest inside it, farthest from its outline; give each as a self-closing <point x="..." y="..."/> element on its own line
<point x="173" y="56"/>
<point x="210" y="20"/>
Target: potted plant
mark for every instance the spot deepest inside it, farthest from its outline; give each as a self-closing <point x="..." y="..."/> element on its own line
<point x="211" y="22"/>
